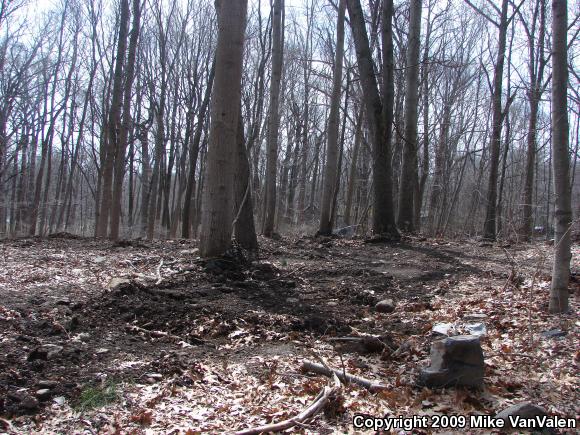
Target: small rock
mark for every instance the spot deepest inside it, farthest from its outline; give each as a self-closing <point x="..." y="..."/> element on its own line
<point x="43" y="394"/>
<point x="83" y="336"/>
<point x="455" y="361"/>
<point x="153" y="378"/>
<point x="29" y="403"/>
<point x="43" y="384"/>
<point x="332" y="304"/>
<point x="101" y="351"/>
<point x="385" y="306"/>
<point x="37" y="354"/>
<point x="116" y="283"/>
<point x="45" y="352"/>
<point x="554" y="333"/>
<point x="60" y="400"/>
<point x="522" y="410"/>
<point x="53" y="350"/>
<point x="72" y="323"/>
<point x="157" y="376"/>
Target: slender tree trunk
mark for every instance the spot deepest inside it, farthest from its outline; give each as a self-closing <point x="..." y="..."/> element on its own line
<point x="536" y="71"/>
<point x="273" y="118"/>
<point x="125" y="123"/>
<point x="331" y="168"/>
<point x="489" y="229"/>
<point x="193" y="155"/>
<point x="113" y="124"/>
<point x="561" y="157"/>
<point x="353" y="173"/>
<point x="420" y="190"/>
<point x="405" y="219"/>
<point x="244" y="228"/>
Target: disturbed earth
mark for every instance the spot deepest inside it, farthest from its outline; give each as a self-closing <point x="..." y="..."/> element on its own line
<point x="146" y="337"/>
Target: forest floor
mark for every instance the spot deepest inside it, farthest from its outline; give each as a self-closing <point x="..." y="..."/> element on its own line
<point x="144" y="337"/>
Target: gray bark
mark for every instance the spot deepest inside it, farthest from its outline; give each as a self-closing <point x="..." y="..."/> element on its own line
<point x="218" y="189"/>
<point x="331" y="168"/>
<point x="561" y="160"/>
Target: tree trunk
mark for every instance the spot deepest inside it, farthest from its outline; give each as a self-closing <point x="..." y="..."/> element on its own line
<point x="244" y="228"/>
<point x="125" y="123"/>
<point x="114" y="123"/>
<point x="331" y="168"/>
<point x="273" y="119"/>
<point x="353" y="173"/>
<point x="536" y="71"/>
<point x="561" y="157"/>
<point x="193" y="155"/>
<point x="405" y="219"/>
<point x="489" y="229"/>
<point x="218" y="190"/>
<point x="379" y="118"/>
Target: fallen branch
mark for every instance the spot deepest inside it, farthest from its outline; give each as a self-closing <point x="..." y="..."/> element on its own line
<point x="344" y="377"/>
<point x="159" y="334"/>
<point x="315" y="407"/>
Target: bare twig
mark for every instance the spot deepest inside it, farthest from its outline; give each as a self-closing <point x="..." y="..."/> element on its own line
<point x="158" y="334"/>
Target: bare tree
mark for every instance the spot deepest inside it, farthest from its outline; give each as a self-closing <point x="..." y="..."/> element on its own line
<point x="377" y="114"/>
<point x="218" y="191"/>
<point x="561" y="159"/>
<point x="331" y="168"/>
<point x="273" y="118"/>
<point x="409" y="177"/>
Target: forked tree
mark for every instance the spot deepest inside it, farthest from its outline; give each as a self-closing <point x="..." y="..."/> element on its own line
<point x="379" y="114"/>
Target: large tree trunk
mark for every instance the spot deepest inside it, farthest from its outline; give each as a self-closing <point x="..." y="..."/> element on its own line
<point x="561" y="158"/>
<point x="331" y="168"/>
<point x="273" y="119"/>
<point x="489" y="228"/>
<point x="405" y="218"/>
<point x="218" y="190"/>
<point x="379" y="118"/>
